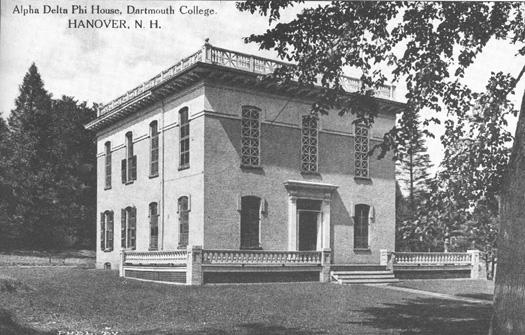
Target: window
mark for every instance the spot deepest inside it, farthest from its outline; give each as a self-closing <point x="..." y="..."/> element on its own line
<point x="309" y="144"/>
<point x="154" y="149"/>
<point x="106" y="231"/>
<point x="129" y="164"/>
<point x="361" y="222"/>
<point x="250" y="222"/>
<point x="361" y="151"/>
<point x="184" y="227"/>
<point x="107" y="151"/>
<point x="154" y="226"/>
<point x="250" y="137"/>
<point x="184" y="138"/>
<point x="128" y="227"/>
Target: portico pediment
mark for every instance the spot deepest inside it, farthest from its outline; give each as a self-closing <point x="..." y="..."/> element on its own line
<point x="310" y="190"/>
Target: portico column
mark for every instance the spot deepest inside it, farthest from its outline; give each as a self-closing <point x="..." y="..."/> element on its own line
<point x="292" y="223"/>
<point x="326" y="224"/>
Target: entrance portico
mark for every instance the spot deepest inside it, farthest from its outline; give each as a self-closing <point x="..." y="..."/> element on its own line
<point x="309" y="215"/>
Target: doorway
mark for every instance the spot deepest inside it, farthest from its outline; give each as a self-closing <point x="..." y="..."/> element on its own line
<point x="309" y="224"/>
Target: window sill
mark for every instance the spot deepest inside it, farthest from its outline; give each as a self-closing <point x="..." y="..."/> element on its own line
<point x="151" y="176"/>
<point x="153" y="249"/>
<point x="251" y="167"/>
<point x="363" y="178"/>
<point x="184" y="167"/>
<point x="108" y="250"/>
<point x="362" y="250"/>
<point x="128" y="182"/>
<point x="310" y="173"/>
<point x="107" y="188"/>
<point x="250" y="248"/>
<point x="182" y="247"/>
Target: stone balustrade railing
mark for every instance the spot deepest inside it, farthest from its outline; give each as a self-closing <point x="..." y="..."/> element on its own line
<point x="432" y="258"/>
<point x="162" y="258"/>
<point x="230" y="59"/>
<point x="261" y="257"/>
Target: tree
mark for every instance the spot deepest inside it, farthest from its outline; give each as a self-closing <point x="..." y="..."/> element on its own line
<point x="429" y="45"/>
<point x="49" y="171"/>
<point x="413" y="162"/>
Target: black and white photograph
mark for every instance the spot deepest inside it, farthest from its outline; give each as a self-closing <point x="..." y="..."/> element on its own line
<point x="262" y="167"/>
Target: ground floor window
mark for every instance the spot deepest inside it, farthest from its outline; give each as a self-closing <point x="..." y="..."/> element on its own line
<point x="250" y="222"/>
<point x="128" y="237"/>
<point x="184" y="221"/>
<point x="361" y="225"/>
<point x="154" y="226"/>
<point x="106" y="231"/>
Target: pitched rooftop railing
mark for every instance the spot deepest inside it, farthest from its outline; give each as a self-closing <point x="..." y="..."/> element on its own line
<point x="231" y="59"/>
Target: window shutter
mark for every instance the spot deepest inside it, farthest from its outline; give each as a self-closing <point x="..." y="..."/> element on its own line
<point x="133" y="167"/>
<point x="102" y="232"/>
<point x="239" y="203"/>
<point x="133" y="227"/>
<point x="123" y="169"/>
<point x="123" y="228"/>
<point x="371" y="215"/>
<point x="110" y="231"/>
<point x="352" y="209"/>
<point x="264" y="206"/>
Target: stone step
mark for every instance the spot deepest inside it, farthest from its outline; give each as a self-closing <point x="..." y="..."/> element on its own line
<point x="342" y="277"/>
<point x="368" y="281"/>
<point x="362" y="272"/>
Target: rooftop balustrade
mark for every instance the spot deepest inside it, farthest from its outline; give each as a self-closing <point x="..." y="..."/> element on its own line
<point x="229" y="59"/>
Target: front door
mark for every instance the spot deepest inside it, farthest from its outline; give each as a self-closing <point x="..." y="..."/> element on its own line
<point x="308" y="222"/>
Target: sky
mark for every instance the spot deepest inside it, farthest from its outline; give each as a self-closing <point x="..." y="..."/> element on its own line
<point x="99" y="65"/>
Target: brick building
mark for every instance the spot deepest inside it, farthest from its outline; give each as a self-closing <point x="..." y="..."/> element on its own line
<point x="206" y="154"/>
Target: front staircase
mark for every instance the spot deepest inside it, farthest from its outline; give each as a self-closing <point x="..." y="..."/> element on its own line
<point x="361" y="274"/>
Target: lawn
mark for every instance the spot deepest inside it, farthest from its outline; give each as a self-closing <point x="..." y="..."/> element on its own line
<point x="63" y="299"/>
<point x="469" y="288"/>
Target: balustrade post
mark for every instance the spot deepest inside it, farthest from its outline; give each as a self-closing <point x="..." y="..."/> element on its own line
<point x="391" y="258"/>
<point x="325" y="263"/>
<point x="474" y="261"/>
<point x="194" y="265"/>
<point x="122" y="261"/>
<point x="383" y="257"/>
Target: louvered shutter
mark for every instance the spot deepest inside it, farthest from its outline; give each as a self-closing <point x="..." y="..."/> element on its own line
<point x="102" y="232"/>
<point x="123" y="228"/>
<point x="132" y="227"/>
<point x="123" y="170"/>
<point x="110" y="231"/>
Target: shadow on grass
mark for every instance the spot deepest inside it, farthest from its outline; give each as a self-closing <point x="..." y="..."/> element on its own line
<point x="483" y="296"/>
<point x="244" y="329"/>
<point x="10" y="325"/>
<point x="429" y="316"/>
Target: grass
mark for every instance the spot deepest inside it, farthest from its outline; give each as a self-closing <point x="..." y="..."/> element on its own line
<point x="470" y="288"/>
<point x="72" y="299"/>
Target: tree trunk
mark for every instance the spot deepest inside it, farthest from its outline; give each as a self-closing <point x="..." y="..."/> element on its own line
<point x="509" y="295"/>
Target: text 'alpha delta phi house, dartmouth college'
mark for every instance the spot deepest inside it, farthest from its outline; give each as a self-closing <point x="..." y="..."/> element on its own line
<point x="206" y="173"/>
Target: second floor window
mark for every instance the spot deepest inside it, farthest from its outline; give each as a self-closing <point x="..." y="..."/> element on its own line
<point x="129" y="164"/>
<point x="184" y="138"/>
<point x="309" y="144"/>
<point x="250" y="137"/>
<point x="106" y="231"/>
<point x="107" y="163"/>
<point x="128" y="237"/>
<point x="361" y="151"/>
<point x="154" y="149"/>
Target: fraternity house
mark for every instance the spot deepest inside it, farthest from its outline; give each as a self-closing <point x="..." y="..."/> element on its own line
<point x="207" y="173"/>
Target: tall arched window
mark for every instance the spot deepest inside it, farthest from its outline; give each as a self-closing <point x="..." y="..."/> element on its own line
<point x="106" y="231"/>
<point x="107" y="152"/>
<point x="184" y="138"/>
<point x="154" y="149"/>
<point x="129" y="164"/>
<point x="128" y="237"/>
<point x="361" y="151"/>
<point x="309" y="144"/>
<point x="153" y="226"/>
<point x="250" y="137"/>
<point x="184" y="221"/>
<point x="250" y="222"/>
<point x="361" y="225"/>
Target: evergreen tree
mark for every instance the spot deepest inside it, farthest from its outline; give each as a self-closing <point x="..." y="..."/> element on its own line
<point x="50" y="169"/>
<point x="413" y="162"/>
